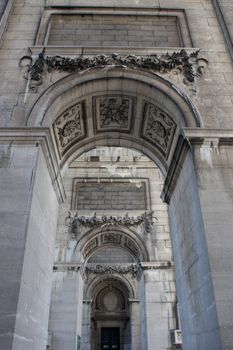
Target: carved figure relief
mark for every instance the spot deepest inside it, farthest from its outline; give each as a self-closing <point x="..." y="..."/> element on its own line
<point x="158" y="128"/>
<point x="69" y="126"/>
<point x="113" y="113"/>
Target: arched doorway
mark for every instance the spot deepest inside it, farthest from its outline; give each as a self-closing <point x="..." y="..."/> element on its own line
<point x="110" y="316"/>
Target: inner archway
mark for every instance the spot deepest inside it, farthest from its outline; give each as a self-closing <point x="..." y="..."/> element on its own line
<point x="118" y="234"/>
<point x="110" y="315"/>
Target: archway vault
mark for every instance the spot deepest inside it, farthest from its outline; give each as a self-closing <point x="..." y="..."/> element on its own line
<point x="115" y="108"/>
<point x="128" y="240"/>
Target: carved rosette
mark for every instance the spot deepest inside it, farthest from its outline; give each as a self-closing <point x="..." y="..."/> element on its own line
<point x="113" y="113"/>
<point x="158" y="128"/>
<point x="69" y="127"/>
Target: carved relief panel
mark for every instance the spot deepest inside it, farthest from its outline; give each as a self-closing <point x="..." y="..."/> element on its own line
<point x="113" y="113"/>
<point x="111" y="238"/>
<point x="158" y="128"/>
<point x="69" y="127"/>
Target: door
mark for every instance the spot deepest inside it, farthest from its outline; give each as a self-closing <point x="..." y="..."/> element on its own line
<point x="110" y="339"/>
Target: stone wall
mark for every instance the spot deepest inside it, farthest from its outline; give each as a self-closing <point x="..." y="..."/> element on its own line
<point x="99" y="195"/>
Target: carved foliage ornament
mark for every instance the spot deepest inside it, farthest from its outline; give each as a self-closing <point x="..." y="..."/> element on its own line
<point x="69" y="126"/>
<point x="133" y="269"/>
<point x="158" y="128"/>
<point x="105" y="221"/>
<point x="189" y="64"/>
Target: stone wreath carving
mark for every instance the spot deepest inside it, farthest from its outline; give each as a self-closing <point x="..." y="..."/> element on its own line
<point x="110" y="269"/>
<point x="190" y="65"/>
<point x="102" y="221"/>
<point x="69" y="126"/>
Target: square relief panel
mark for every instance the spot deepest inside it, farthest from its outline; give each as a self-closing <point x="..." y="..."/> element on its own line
<point x="113" y="113"/>
<point x="158" y="128"/>
<point x="69" y="127"/>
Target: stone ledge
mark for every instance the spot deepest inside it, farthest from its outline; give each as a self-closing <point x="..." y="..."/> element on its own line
<point x="198" y="135"/>
<point x="156" y="265"/>
<point x="72" y="51"/>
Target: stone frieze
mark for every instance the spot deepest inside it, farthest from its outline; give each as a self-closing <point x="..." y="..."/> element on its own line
<point x="133" y="269"/>
<point x="105" y="221"/>
<point x="190" y="65"/>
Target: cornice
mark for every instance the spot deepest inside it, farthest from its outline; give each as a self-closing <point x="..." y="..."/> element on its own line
<point x="224" y="26"/>
<point x="38" y="137"/>
<point x="191" y="137"/>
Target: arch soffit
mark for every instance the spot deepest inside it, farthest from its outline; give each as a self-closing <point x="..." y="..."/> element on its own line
<point x="93" y="240"/>
<point x="144" y="99"/>
<point x="94" y="286"/>
<point x="40" y="116"/>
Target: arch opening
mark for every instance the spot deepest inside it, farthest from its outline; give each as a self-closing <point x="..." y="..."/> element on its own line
<point x="115" y="108"/>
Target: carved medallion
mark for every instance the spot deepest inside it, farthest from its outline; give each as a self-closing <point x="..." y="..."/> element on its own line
<point x="69" y="127"/>
<point x="113" y="113"/>
<point x="158" y="128"/>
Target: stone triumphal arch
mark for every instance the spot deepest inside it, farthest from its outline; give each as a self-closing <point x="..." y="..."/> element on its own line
<point x="116" y="177"/>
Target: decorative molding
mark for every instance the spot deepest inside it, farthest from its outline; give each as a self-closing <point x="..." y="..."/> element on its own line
<point x="113" y="113"/>
<point x="62" y="267"/>
<point x="94" y="221"/>
<point x="133" y="269"/>
<point x="38" y="136"/>
<point x="220" y="13"/>
<point x="175" y="167"/>
<point x="5" y="15"/>
<point x="69" y="127"/>
<point x="158" y="128"/>
<point x="189" y="64"/>
<point x="156" y="265"/>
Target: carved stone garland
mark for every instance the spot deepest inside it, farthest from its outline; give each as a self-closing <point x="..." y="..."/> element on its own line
<point x="103" y="221"/>
<point x="110" y="269"/>
<point x="190" y="64"/>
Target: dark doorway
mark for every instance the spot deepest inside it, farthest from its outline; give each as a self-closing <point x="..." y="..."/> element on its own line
<point x="110" y="339"/>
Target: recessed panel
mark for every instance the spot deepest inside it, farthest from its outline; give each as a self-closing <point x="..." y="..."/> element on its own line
<point x="114" y="31"/>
